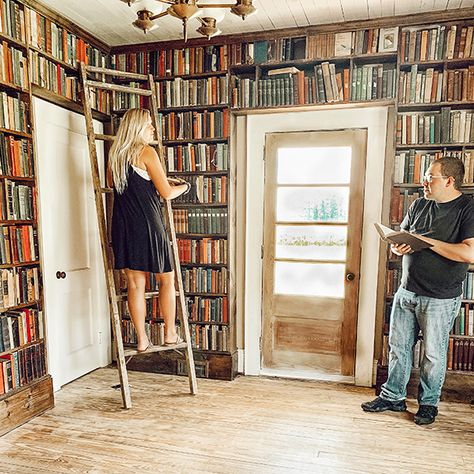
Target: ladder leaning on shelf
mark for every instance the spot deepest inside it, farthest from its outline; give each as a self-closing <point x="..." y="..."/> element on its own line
<point x="114" y="296"/>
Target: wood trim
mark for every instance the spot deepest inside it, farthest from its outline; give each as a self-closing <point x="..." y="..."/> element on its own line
<point x="353" y="258"/>
<point x="456" y="15"/>
<point x="26" y="403"/>
<point x="385" y="217"/>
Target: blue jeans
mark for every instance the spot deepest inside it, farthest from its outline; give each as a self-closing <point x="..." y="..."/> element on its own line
<point x="435" y="317"/>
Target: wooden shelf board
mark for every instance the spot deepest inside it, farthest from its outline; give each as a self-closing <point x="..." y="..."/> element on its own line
<point x="198" y="173"/>
<point x="16" y="349"/>
<point x="13" y="87"/>
<point x="180" y="205"/>
<point x="20" y="306"/>
<point x="189" y="235"/>
<point x="195" y="140"/>
<point x="13" y="41"/>
<point x="195" y="265"/>
<point x="194" y="107"/>
<point x="17" y="178"/>
<point x="426" y="146"/>
<point x="9" y="131"/>
<point x="191" y="76"/>
<point x="54" y="59"/>
<point x="17" y="222"/>
<point x="64" y="102"/>
<point x="22" y="264"/>
<point x="435" y="105"/>
<point x="318" y="105"/>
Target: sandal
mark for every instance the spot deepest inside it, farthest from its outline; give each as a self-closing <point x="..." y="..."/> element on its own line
<point x="178" y="340"/>
<point x="150" y="345"/>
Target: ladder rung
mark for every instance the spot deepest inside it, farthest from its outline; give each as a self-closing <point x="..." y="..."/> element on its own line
<point x="114" y="72"/>
<point x="106" y="190"/>
<point x="167" y="347"/>
<point x="111" y="138"/>
<point x="148" y="295"/>
<point x="115" y="87"/>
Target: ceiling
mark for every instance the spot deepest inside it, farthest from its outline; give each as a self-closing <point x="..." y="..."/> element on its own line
<point x="110" y="20"/>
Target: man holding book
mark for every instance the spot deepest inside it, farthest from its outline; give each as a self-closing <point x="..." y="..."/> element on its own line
<point x="429" y="296"/>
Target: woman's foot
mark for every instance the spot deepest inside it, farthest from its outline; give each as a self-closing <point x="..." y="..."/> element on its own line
<point x="142" y="346"/>
<point x="173" y="339"/>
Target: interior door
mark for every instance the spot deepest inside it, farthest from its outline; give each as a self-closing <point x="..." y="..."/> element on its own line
<point x="74" y="285"/>
<point x="314" y="185"/>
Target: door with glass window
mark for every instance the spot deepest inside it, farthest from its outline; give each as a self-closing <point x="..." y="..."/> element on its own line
<point x="314" y="184"/>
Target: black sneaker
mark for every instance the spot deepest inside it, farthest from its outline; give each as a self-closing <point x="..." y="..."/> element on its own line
<point x="380" y="404"/>
<point x="426" y="414"/>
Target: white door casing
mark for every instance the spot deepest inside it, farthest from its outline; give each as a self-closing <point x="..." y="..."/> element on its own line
<point x="249" y="139"/>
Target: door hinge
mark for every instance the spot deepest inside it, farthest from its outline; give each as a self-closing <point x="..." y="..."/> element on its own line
<point x="100" y="337"/>
<point x="261" y="251"/>
<point x="260" y="343"/>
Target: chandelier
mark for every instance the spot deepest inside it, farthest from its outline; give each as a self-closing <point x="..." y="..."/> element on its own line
<point x="187" y="9"/>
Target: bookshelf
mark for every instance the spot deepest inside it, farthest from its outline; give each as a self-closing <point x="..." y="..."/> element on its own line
<point x="192" y="86"/>
<point x="54" y="47"/>
<point x="358" y="63"/>
<point x="435" y="107"/>
<point x="25" y="386"/>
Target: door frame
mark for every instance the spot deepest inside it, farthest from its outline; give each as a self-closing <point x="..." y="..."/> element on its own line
<point x="248" y="150"/>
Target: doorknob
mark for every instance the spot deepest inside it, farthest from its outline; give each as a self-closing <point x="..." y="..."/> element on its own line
<point x="350" y="277"/>
<point x="60" y="275"/>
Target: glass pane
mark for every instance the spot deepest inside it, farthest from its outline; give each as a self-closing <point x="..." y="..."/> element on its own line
<point x="312" y="204"/>
<point x="326" y="242"/>
<point x="318" y="165"/>
<point x="310" y="279"/>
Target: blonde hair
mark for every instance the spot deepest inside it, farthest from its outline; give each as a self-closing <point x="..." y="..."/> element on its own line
<point x="128" y="145"/>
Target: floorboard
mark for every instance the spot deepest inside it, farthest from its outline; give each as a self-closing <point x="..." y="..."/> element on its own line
<point x="253" y="424"/>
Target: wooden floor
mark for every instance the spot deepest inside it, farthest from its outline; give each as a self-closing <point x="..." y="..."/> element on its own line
<point x="256" y="425"/>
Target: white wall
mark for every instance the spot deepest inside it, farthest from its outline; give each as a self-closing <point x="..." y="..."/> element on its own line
<point x="249" y="134"/>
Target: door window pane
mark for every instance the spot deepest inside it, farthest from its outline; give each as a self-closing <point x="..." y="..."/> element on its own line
<point x="310" y="279"/>
<point x="317" y="165"/>
<point x="316" y="242"/>
<point x="312" y="204"/>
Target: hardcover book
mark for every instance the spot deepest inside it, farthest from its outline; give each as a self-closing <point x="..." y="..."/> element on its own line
<point x="401" y="237"/>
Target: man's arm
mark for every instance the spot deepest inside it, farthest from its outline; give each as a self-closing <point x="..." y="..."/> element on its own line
<point x="462" y="252"/>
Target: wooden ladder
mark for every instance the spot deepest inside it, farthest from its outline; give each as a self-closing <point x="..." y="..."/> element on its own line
<point x="113" y="295"/>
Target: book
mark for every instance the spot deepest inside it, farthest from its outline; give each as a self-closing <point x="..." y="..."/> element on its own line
<point x="401" y="237"/>
<point x="283" y="70"/>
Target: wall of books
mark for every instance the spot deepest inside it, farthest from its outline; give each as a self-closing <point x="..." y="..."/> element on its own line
<point x="424" y="71"/>
<point x="23" y="367"/>
<point x="435" y="102"/>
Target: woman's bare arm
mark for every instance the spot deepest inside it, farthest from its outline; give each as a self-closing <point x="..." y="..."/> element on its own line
<point x="150" y="159"/>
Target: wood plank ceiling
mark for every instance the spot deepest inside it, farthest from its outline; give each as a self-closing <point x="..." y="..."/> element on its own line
<point x="110" y="20"/>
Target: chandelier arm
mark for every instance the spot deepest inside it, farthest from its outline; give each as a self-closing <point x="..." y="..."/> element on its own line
<point x="158" y="15"/>
<point x="216" y="5"/>
<point x="169" y="2"/>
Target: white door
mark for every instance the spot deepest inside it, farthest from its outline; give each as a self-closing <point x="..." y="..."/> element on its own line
<point x="75" y="298"/>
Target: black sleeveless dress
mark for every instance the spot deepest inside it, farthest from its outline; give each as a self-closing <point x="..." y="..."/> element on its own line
<point x="139" y="238"/>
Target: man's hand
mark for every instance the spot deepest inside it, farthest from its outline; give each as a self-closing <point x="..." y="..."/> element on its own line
<point x="401" y="249"/>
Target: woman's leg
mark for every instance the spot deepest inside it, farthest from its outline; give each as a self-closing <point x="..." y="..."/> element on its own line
<point x="167" y="301"/>
<point x="136" y="304"/>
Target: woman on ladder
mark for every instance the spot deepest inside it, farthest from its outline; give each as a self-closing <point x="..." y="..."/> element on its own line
<point x="139" y="238"/>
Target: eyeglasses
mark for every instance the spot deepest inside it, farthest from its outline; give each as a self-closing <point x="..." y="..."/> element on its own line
<point x="429" y="177"/>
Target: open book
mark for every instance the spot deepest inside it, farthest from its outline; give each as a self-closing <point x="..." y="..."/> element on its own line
<point x="401" y="237"/>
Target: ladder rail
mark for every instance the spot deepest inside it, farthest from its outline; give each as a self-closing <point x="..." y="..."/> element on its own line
<point x="113" y="306"/>
<point x="182" y="309"/>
